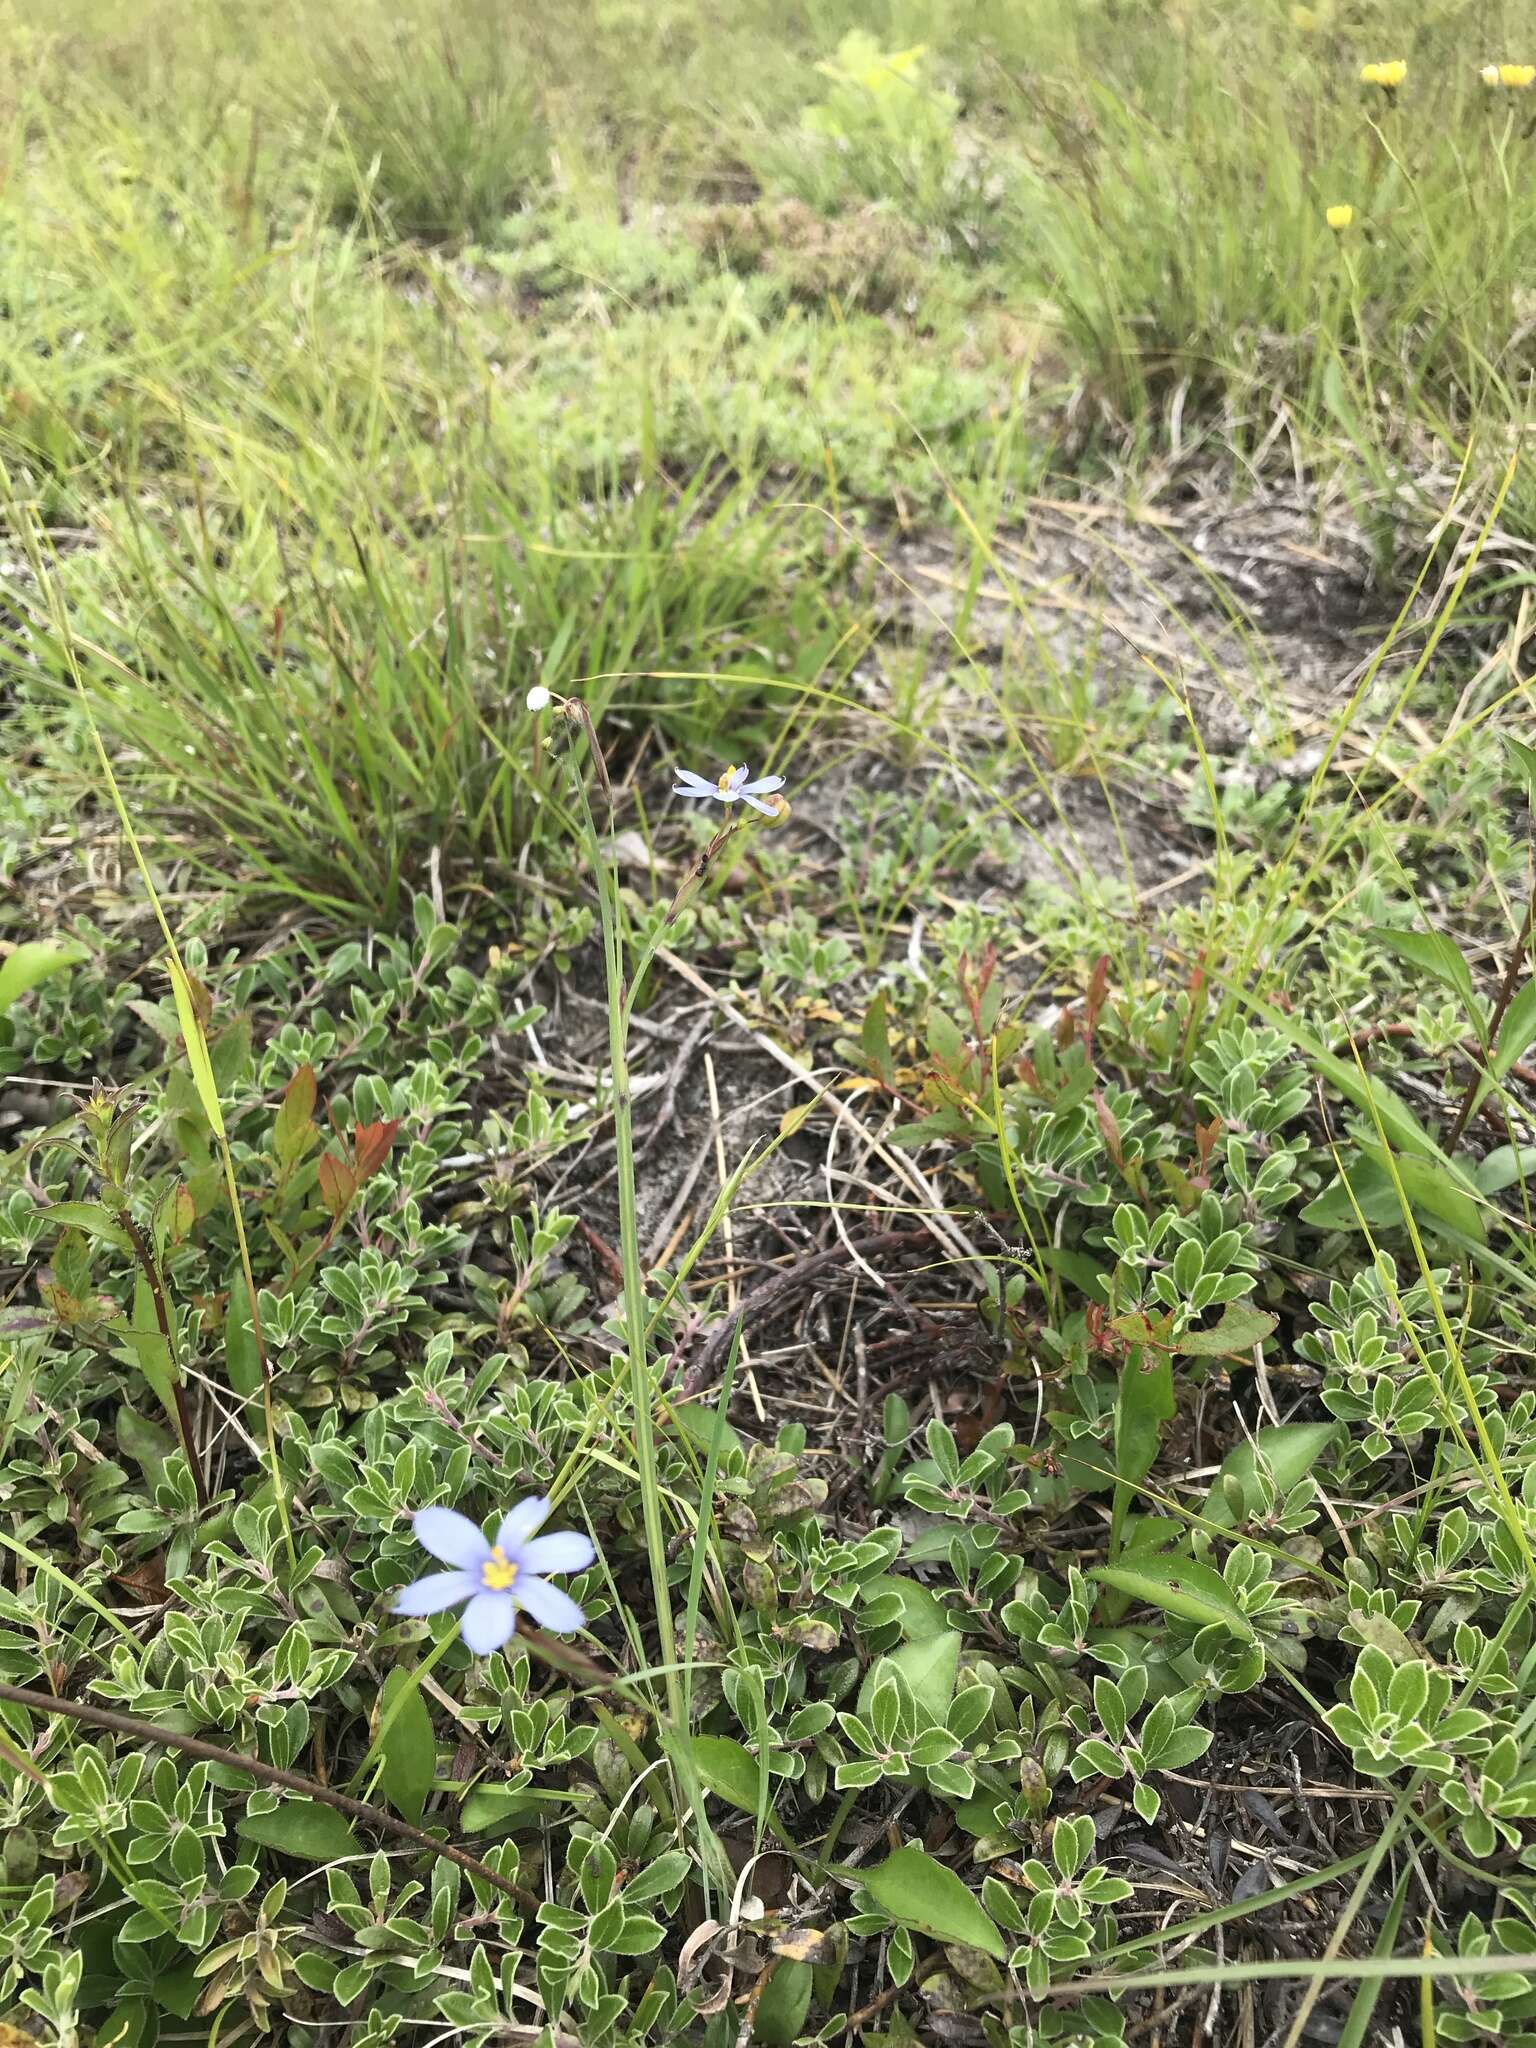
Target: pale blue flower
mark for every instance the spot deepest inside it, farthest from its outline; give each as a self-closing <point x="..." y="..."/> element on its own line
<point x="732" y="787"/>
<point x="497" y="1579"/>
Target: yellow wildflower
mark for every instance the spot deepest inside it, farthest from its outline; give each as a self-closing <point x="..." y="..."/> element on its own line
<point x="1388" y="76"/>
<point x="1518" y="77"/>
<point x="1339" y="218"/>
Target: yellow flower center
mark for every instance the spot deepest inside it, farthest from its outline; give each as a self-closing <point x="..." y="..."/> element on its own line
<point x="724" y="784"/>
<point x="498" y="1571"/>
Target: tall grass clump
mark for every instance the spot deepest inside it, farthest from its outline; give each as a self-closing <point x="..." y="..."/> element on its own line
<point x="1176" y="213"/>
<point x="189" y="330"/>
<point x="437" y="130"/>
<point x="364" y="719"/>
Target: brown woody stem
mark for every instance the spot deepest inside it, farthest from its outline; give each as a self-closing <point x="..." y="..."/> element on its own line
<point x="135" y="1730"/>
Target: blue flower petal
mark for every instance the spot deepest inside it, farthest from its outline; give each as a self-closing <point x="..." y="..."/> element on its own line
<point x="566" y="1550"/>
<point x="452" y="1537"/>
<point x="549" y="1607"/>
<point x="435" y="1592"/>
<point x="489" y="1620"/>
<point x="519" y="1523"/>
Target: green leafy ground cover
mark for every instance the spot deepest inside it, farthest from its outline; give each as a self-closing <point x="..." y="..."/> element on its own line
<point x="1019" y="1269"/>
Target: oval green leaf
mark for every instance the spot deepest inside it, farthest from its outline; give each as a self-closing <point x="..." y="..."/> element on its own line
<point x="1181" y="1586"/>
<point x="922" y="1612"/>
<point x="707" y="1428"/>
<point x="928" y="1665"/>
<point x="305" y="1828"/>
<point x="197" y="1048"/>
<point x="1403" y="1129"/>
<point x="1369" y="1189"/>
<point x="926" y="1895"/>
<point x="1433" y="954"/>
<point x="91" y="1217"/>
<point x="497" y="1806"/>
<point x="1289" y="1449"/>
<point x="1444" y="1192"/>
<point x="408" y="1752"/>
<point x="1241" y="1327"/>
<point x="1517" y="1034"/>
<point x="33" y="961"/>
<point x="1504" y="1165"/>
<point x="782" y="2009"/>
<point x="242" y="1360"/>
<point x="728" y="1770"/>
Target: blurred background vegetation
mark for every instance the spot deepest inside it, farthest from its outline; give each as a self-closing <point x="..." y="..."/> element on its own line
<point x="322" y="330"/>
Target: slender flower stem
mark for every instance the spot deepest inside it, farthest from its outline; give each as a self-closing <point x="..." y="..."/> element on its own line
<point x="269" y="1414"/>
<point x="643" y="1385"/>
<point x="146" y="1259"/>
<point x="1506" y="996"/>
<point x="642" y="1392"/>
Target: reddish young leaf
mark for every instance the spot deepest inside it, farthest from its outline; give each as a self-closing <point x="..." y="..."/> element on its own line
<point x="183" y="1214"/>
<point x="338" y="1183"/>
<point x="298" y="1102"/>
<point x="145" y="1582"/>
<point x="293" y="1130"/>
<point x="1109" y="1129"/>
<point x="974" y="983"/>
<point x="69" y="1308"/>
<point x="1205" y="1140"/>
<point x="1102" y="1334"/>
<point x="370" y="1146"/>
<point x="1098" y="989"/>
<point x="1152" y="1332"/>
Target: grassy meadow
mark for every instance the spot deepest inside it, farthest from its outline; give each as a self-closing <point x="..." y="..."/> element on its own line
<point x="980" y="1263"/>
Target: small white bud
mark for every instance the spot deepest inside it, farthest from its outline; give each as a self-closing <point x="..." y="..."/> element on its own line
<point x="538" y="698"/>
